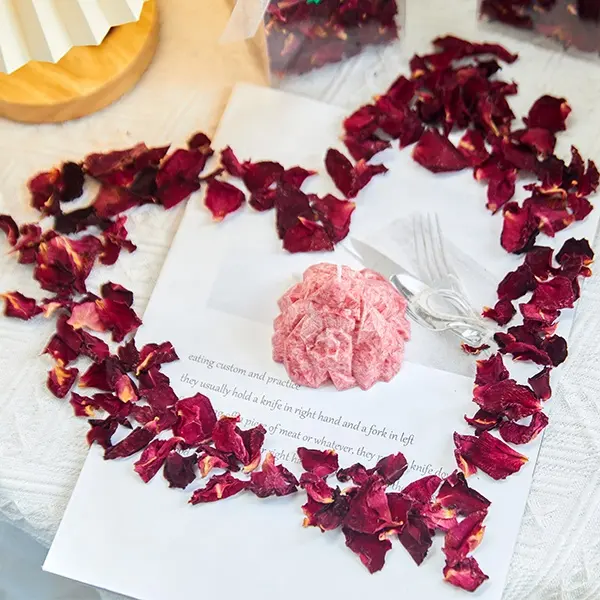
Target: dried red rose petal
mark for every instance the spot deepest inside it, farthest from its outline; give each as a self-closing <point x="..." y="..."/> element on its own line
<point x="222" y="198"/>
<point x="82" y="405"/>
<point x="272" y="479"/>
<point x="472" y="147"/>
<point x="365" y="149"/>
<point x="335" y="215"/>
<point x="474" y="350"/>
<point x="61" y="352"/>
<point x="129" y="356"/>
<point x="573" y="247"/>
<point x="369" y="511"/>
<point x="102" y="376"/>
<point x="296" y="176"/>
<point x="554" y="294"/>
<point x="156" y="420"/>
<point x="501" y="182"/>
<point x="30" y="237"/>
<point x="489" y="454"/>
<point x="490" y="370"/>
<point x="112" y="201"/>
<point x="179" y="470"/>
<point x="483" y="421"/>
<point x="196" y="420"/>
<point x="152" y="355"/>
<point x="540" y="384"/>
<point x="117" y="317"/>
<point x="114" y="238"/>
<point x="523" y="434"/>
<point x="19" y="306"/>
<point x="262" y="175"/>
<point x="125" y="389"/>
<point x="231" y="163"/>
<point x="464" y="537"/>
<point x="61" y="380"/>
<point x="519" y="230"/>
<point x="362" y="122"/>
<point x="460" y="48"/>
<point x="548" y="113"/>
<point x="178" y="175"/>
<point x="307" y="236"/>
<point x="137" y="440"/>
<point x="327" y="517"/>
<point x="10" y="228"/>
<point x="101" y="431"/>
<point x="219" y="487"/>
<point x="93" y="347"/>
<point x="502" y="313"/>
<point x="356" y="473"/>
<point x="347" y="178"/>
<point x="437" y="153"/>
<point x="369" y="548"/>
<point x="421" y="490"/>
<point x="416" y="537"/>
<point x="539" y="261"/>
<point x="456" y="493"/>
<point x="58" y="185"/>
<point x="316" y="488"/>
<point x="86" y="315"/>
<point x="116" y="292"/>
<point x="320" y="462"/>
<point x="507" y="398"/>
<point x="391" y="467"/>
<point x="210" y="458"/>
<point x="465" y="574"/>
<point x="153" y="458"/>
<point x="517" y="283"/>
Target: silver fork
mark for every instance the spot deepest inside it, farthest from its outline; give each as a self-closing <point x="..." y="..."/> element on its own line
<point x="450" y="297"/>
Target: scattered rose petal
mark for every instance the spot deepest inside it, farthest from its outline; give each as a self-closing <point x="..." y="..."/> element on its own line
<point x="196" y="420"/>
<point x="116" y="292"/>
<point x="219" y="487"/>
<point x="61" y="380"/>
<point x="19" y="306"/>
<point x="357" y="473"/>
<point x="456" y="493"/>
<point x="464" y="537"/>
<point x="417" y="538"/>
<point x="502" y="313"/>
<point x="272" y="479"/>
<point x="540" y="384"/>
<point x="222" y="198"/>
<point x="153" y="458"/>
<point x="327" y="517"/>
<point x="320" y="462"/>
<point x="137" y="440"/>
<point x="483" y="421"/>
<point x="10" y="228"/>
<point x="519" y="230"/>
<point x="369" y="511"/>
<point x="548" y="113"/>
<point x="489" y="454"/>
<point x="437" y="154"/>
<point x="391" y="467"/>
<point x="507" y="398"/>
<point x="523" y="434"/>
<point x="316" y="488"/>
<point x="117" y="317"/>
<point x="369" y="548"/>
<point x="152" y="355"/>
<point x="101" y="431"/>
<point x="179" y="470"/>
<point x="517" y="283"/>
<point x="465" y="574"/>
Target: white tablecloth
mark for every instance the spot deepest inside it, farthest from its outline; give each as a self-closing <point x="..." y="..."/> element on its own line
<point x="42" y="445"/>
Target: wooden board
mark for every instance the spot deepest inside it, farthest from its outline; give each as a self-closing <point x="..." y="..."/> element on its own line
<point x="86" y="79"/>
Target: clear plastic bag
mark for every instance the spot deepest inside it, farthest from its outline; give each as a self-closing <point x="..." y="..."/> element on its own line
<point x="572" y="24"/>
<point x="303" y="35"/>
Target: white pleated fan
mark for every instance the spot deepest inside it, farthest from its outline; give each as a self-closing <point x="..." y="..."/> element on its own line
<point x="46" y="30"/>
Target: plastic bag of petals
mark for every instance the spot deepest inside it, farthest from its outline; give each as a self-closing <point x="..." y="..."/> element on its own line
<point x="303" y="35"/>
<point x="572" y="24"/>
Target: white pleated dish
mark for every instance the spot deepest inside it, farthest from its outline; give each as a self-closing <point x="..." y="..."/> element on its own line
<point x="45" y="30"/>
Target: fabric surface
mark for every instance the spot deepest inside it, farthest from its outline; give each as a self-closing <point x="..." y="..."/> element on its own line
<point x="42" y="445"/>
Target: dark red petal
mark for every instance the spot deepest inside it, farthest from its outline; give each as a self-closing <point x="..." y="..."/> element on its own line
<point x="369" y="511"/>
<point x="502" y="312"/>
<point x="326" y="517"/>
<point x="474" y="350"/>
<point x="517" y="283"/>
<point x="307" y="236"/>
<point x="483" y="421"/>
<point x="129" y="356"/>
<point x="489" y="454"/>
<point x="472" y="147"/>
<point x="391" y="467"/>
<point x="340" y="169"/>
<point x="456" y="493"/>
<point x="416" y="537"/>
<point x="539" y="261"/>
<point x="219" y="487"/>
<point x="465" y="574"/>
<point x="117" y="292"/>
<point x="290" y="205"/>
<point x="523" y="434"/>
<point x="540" y="384"/>
<point x="222" y="199"/>
<point x="548" y="113"/>
<point x="335" y="215"/>
<point x="461" y="48"/>
<point x="101" y="431"/>
<point x="573" y="247"/>
<point x="86" y="315"/>
<point x="137" y="440"/>
<point x="112" y="201"/>
<point x="363" y="173"/>
<point x="370" y="549"/>
<point x="178" y="175"/>
<point x="231" y="164"/>
<point x="272" y="479"/>
<point x="201" y="142"/>
<point x="490" y="370"/>
<point x="421" y="490"/>
<point x="102" y="376"/>
<point x="262" y="175"/>
<point x="357" y="473"/>
<point x="519" y="230"/>
<point x="196" y="420"/>
<point x="295" y="176"/>
<point x="316" y="488"/>
<point x="61" y="352"/>
<point x="464" y="537"/>
<point x="114" y="239"/>
<point x="580" y="207"/>
<point x="179" y="470"/>
<point x="253" y="442"/>
<point x="507" y="398"/>
<point x="365" y="149"/>
<point x="437" y="154"/>
<point x="210" y="458"/>
<point x="19" y="306"/>
<point x="153" y="458"/>
<point x="10" y="228"/>
<point x="541" y="140"/>
<point x="117" y="317"/>
<point x="61" y="380"/>
<point x="320" y="462"/>
<point x="152" y="355"/>
<point x="363" y="122"/>
<point x="554" y="294"/>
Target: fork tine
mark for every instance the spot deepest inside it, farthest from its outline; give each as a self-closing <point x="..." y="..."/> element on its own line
<point x="443" y="254"/>
<point x="433" y="259"/>
<point x="420" y="247"/>
<point x="437" y="247"/>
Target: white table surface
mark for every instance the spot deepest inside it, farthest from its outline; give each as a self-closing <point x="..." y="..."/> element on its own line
<point x="42" y="446"/>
